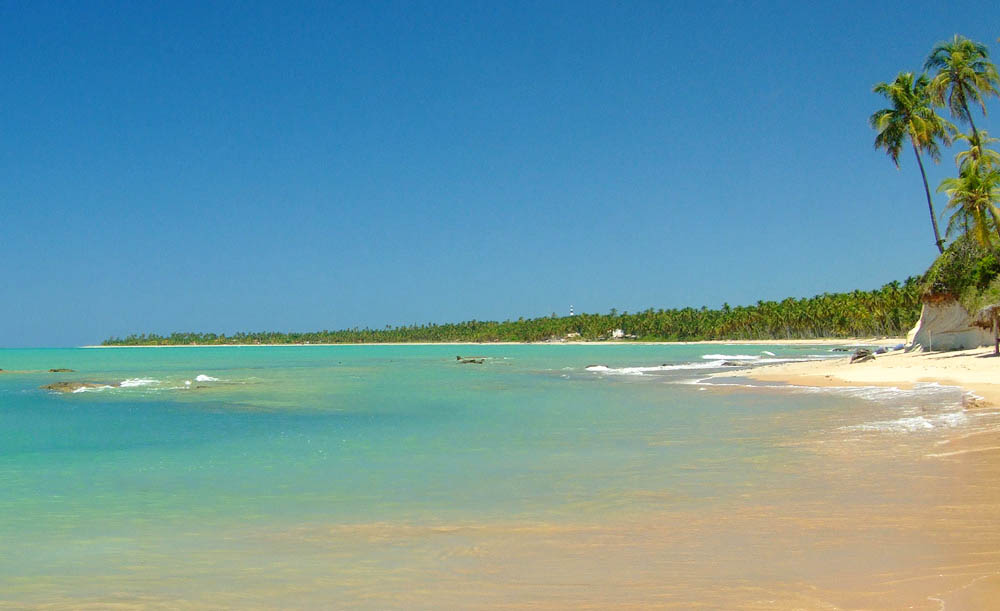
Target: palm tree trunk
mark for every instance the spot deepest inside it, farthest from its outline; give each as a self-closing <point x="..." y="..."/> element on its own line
<point x="975" y="133"/>
<point x="937" y="234"/>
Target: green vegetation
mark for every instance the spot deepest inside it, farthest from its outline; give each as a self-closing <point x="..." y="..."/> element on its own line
<point x="967" y="271"/>
<point x="888" y="311"/>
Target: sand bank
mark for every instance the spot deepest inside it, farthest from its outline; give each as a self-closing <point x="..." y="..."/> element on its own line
<point x="976" y="370"/>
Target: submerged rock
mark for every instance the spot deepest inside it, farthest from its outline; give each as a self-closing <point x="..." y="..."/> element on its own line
<point x="62" y="370"/>
<point x="72" y="386"/>
<point x="472" y="361"/>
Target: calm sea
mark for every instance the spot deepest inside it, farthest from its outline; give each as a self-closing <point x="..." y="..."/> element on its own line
<point x="398" y="477"/>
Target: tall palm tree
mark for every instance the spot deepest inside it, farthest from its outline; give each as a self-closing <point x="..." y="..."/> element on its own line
<point x="965" y="74"/>
<point x="912" y="116"/>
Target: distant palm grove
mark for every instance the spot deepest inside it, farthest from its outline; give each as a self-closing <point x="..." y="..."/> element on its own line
<point x="888" y="311"/>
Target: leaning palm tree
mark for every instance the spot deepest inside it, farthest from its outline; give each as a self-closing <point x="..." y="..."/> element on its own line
<point x="911" y="117"/>
<point x="965" y="74"/>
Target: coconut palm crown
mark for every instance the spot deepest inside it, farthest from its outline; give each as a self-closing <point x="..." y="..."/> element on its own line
<point x="964" y="75"/>
<point x="975" y="193"/>
<point x="912" y="117"/>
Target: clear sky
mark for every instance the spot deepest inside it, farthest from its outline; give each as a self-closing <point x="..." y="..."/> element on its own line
<point x="259" y="166"/>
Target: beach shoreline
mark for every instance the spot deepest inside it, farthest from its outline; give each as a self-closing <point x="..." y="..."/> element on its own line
<point x="976" y="371"/>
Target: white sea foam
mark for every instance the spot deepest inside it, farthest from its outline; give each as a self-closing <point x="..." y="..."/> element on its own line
<point x="133" y="382"/>
<point x="90" y="388"/>
<point x="913" y="424"/>
<point x="204" y="378"/>
<point x="765" y="357"/>
<point x="638" y="371"/>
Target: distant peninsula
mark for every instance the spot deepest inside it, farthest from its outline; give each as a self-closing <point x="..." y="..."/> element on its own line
<point x="889" y="311"/>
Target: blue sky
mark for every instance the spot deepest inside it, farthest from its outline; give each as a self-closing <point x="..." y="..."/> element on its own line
<point x="257" y="166"/>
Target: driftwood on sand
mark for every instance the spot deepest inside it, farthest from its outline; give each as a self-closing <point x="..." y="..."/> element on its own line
<point x="861" y="355"/>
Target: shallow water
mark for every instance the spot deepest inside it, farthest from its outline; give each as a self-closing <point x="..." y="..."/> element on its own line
<point x="548" y="476"/>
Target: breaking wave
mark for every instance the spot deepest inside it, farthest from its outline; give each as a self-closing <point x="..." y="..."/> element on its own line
<point x="638" y="371"/>
<point x="134" y="382"/>
<point x="913" y="424"/>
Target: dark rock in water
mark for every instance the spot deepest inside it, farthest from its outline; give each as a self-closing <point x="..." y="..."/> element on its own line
<point x="840" y="350"/>
<point x="72" y="386"/>
<point x="62" y="371"/>
<point x="861" y="355"/>
<point x="472" y="361"/>
<point x="733" y="364"/>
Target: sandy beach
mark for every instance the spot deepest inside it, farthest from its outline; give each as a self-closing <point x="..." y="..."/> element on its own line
<point x="976" y="370"/>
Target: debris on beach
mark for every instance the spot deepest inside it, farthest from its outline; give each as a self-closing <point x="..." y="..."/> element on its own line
<point x="861" y="355"/>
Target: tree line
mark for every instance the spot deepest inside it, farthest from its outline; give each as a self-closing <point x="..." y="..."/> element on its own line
<point x="888" y="311"/>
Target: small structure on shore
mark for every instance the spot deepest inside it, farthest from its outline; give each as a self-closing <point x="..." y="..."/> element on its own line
<point x="989" y="318"/>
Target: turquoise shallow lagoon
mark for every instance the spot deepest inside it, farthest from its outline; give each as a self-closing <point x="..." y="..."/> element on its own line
<point x="396" y="476"/>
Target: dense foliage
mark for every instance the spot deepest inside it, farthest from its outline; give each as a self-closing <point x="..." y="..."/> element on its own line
<point x="888" y="311"/>
<point x="967" y="271"/>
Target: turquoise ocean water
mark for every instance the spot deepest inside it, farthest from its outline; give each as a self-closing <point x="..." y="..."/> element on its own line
<point x="312" y="475"/>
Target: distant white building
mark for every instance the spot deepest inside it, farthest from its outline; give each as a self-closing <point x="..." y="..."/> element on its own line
<point x="617" y="334"/>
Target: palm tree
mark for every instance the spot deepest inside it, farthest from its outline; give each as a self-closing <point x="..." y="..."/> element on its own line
<point x="911" y="116"/>
<point x="975" y="193"/>
<point x="976" y="186"/>
<point x="965" y="74"/>
<point x="977" y="152"/>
